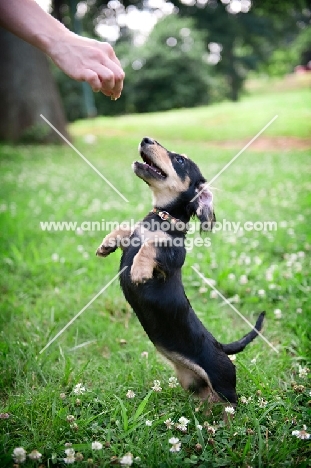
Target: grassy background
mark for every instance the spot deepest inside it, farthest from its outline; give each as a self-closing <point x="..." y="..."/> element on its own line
<point x="47" y="277"/>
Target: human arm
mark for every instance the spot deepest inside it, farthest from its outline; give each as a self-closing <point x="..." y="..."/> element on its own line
<point x="81" y="58"/>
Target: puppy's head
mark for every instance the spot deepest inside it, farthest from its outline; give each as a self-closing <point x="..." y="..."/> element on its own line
<point x="175" y="179"/>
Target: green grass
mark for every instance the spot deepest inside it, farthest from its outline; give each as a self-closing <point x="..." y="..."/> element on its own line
<point x="219" y="122"/>
<point x="48" y="277"/>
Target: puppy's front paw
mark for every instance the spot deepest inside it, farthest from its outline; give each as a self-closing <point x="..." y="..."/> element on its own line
<point x="106" y="248"/>
<point x="141" y="273"/>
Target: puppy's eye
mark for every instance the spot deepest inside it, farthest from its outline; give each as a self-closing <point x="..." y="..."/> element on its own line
<point x="180" y="160"/>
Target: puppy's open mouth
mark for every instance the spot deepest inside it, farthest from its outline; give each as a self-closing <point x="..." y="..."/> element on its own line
<point x="150" y="167"/>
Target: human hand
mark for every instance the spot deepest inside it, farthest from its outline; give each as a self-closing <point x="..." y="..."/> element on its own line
<point x="85" y="59"/>
<point x="81" y="58"/>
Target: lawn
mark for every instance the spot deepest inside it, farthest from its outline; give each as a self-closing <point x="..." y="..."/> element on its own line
<point x="76" y="392"/>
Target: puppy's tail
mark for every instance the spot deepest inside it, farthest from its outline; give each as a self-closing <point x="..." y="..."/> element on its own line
<point x="237" y="346"/>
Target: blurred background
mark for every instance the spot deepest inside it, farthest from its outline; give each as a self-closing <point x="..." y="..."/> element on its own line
<point x="176" y="54"/>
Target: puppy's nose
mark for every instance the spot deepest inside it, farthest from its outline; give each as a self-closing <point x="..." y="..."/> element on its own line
<point x="147" y="141"/>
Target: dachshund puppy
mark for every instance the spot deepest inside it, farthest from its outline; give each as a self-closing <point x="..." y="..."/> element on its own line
<point x="154" y="254"/>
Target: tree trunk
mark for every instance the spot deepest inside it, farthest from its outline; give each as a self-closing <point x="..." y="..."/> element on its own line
<point x="234" y="81"/>
<point x="27" y="89"/>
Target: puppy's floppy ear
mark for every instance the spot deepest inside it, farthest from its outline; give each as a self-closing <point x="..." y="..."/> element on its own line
<point x="204" y="207"/>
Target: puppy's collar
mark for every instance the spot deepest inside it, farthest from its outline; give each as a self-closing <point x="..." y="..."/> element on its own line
<point x="177" y="223"/>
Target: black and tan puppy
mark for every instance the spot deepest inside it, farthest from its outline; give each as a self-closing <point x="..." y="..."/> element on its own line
<point x="154" y="254"/>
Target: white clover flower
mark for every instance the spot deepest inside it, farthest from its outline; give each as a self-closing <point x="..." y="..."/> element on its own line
<point x="144" y="354"/>
<point x="299" y="310"/>
<point x="70" y="418"/>
<point x="172" y="382"/>
<point x="79" y="389"/>
<point x="247" y="260"/>
<point x="35" y="455"/>
<point x="169" y="423"/>
<point x="269" y="275"/>
<point x="148" y="423"/>
<point x="130" y="394"/>
<point x="213" y="294"/>
<point x="243" y="279"/>
<point x="210" y="429"/>
<point x="156" y="386"/>
<point x="182" y="424"/>
<point x="126" y="460"/>
<point x="303" y="434"/>
<point x="234" y="299"/>
<point x="176" y="445"/>
<point x="180" y="427"/>
<point x="245" y="400"/>
<point x="183" y="420"/>
<point x="199" y="427"/>
<point x="229" y="410"/>
<point x="70" y="456"/>
<point x="90" y="139"/>
<point x="19" y="454"/>
<point x="261" y="292"/>
<point x="303" y="371"/>
<point x="262" y="402"/>
<point x="70" y="451"/>
<point x="277" y="313"/>
<point x="97" y="445"/>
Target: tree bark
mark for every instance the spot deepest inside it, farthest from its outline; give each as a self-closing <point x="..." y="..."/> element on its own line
<point x="27" y="89"/>
<point x="234" y="80"/>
